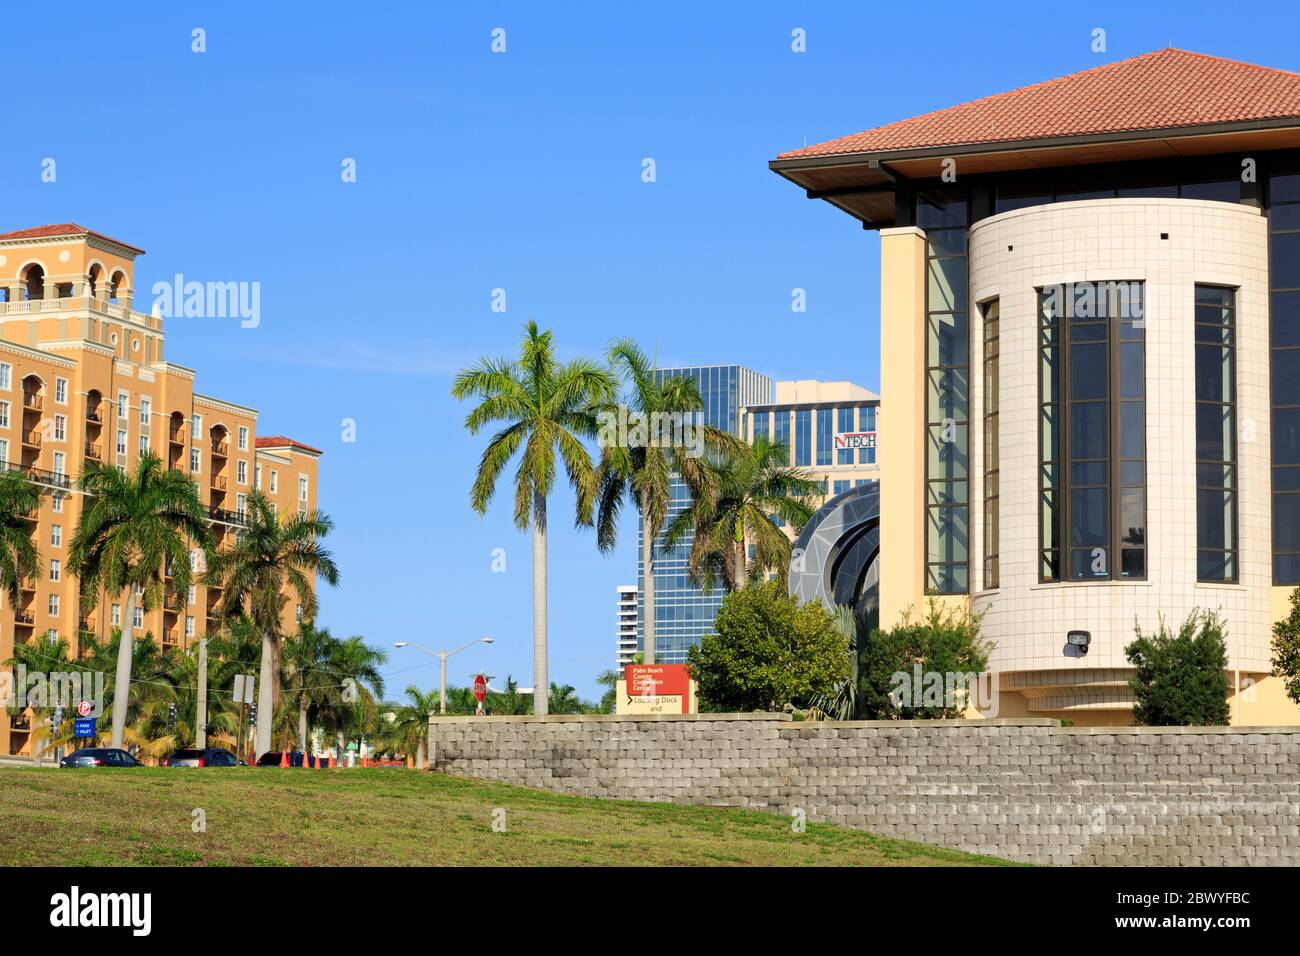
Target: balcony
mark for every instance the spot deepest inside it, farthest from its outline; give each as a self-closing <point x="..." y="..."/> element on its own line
<point x="220" y="449"/>
<point x="227" y="517"/>
<point x="92" y="414"/>
<point x="92" y="451"/>
<point x="33" y="401"/>
<point x="50" y="478"/>
<point x="27" y="584"/>
<point x="83" y="303"/>
<point x="218" y="483"/>
<point x="32" y="439"/>
<point x="176" y="436"/>
<point x="24" y="618"/>
<point x="172" y="638"/>
<point x="20" y="722"/>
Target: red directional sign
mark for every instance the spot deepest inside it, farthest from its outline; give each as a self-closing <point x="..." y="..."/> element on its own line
<point x="480" y="688"/>
<point x="84" y="708"/>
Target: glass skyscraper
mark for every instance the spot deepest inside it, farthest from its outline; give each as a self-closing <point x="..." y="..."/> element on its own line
<point x="683" y="612"/>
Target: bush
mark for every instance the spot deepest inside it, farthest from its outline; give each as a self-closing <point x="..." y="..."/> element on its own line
<point x="1181" y="679"/>
<point x="944" y="641"/>
<point x="1286" y="648"/>
<point x="768" y="652"/>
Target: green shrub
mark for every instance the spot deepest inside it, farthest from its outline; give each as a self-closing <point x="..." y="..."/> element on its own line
<point x="1286" y="648"/>
<point x="1181" y="679"/>
<point x="768" y="652"/>
<point x="945" y="641"/>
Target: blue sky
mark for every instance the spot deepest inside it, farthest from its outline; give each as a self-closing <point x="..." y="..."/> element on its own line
<point x="519" y="171"/>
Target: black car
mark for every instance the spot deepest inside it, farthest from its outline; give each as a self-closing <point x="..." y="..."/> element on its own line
<point x="99" y="757"/>
<point x="209" y="757"/>
<point x="272" y="759"/>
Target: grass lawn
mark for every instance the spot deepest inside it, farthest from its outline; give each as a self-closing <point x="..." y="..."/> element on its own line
<point x="274" y="817"/>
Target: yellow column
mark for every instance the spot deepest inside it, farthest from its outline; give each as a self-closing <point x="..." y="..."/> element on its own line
<point x="902" y="424"/>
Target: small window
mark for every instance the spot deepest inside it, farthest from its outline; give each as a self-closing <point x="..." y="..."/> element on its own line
<point x="190" y="596"/>
<point x="144" y="444"/>
<point x="6" y="375"/>
<point x="55" y="569"/>
<point x="115" y="615"/>
<point x="241" y="502"/>
<point x="56" y="504"/>
<point x="189" y="625"/>
<point x="146" y="407"/>
<point x="4" y="414"/>
<point x="139" y="616"/>
<point x="61" y="391"/>
<point x="195" y="461"/>
<point x="4" y="452"/>
<point x="242" y="473"/>
<point x="121" y="441"/>
<point x="54" y="605"/>
<point x="60" y="428"/>
<point x="275" y="481"/>
<point x="56" y="536"/>
<point x="123" y="404"/>
<point x="196" y="426"/>
<point x="257" y="475"/>
<point x="60" y="463"/>
<point x="243" y="438"/>
<point x="302" y="488"/>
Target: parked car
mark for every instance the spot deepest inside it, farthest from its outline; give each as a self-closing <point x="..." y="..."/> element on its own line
<point x="272" y="759"/>
<point x="99" y="757"/>
<point x="209" y="757"/>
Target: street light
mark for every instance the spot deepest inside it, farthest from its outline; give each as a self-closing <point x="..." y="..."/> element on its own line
<point x="442" y="657"/>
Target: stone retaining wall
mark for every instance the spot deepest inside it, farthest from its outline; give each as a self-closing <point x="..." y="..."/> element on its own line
<point x="1023" y="789"/>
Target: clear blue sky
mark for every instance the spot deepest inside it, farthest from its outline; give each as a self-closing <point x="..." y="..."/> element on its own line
<point x="520" y="171"/>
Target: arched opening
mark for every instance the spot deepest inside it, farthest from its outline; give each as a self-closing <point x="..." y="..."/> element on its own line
<point x="176" y="441"/>
<point x="33" y="408"/>
<point x="93" y="278"/>
<point x="117" y="286"/>
<point x="94" y="424"/>
<point x="220" y="439"/>
<point x="33" y="280"/>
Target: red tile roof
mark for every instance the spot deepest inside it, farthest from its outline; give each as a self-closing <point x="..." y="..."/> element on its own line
<point x="62" y="229"/>
<point x="280" y="441"/>
<point x="1166" y="89"/>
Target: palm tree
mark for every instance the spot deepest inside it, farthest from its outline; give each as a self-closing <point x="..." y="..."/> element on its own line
<point x="354" y="666"/>
<point x="564" y="699"/>
<point x="609" y="680"/>
<point x="308" y="674"/>
<point x="19" y="556"/>
<point x="272" y="556"/>
<point x="133" y="533"/>
<point x="754" y="486"/>
<point x="545" y="405"/>
<point x="644" y="472"/>
<point x="411" y="726"/>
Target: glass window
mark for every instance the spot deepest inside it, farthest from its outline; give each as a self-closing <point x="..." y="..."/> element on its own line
<point x="947" y="394"/>
<point x="803" y="437"/>
<point x="1092" y="431"/>
<point x="825" y="435"/>
<point x="1217" y="376"/>
<point x="992" y="489"/>
<point x="781" y="429"/>
<point x="867" y="423"/>
<point x="844" y="425"/>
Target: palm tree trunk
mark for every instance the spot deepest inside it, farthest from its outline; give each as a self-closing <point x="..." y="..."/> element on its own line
<point x="540" y="681"/>
<point x="647" y="583"/>
<point x="341" y="745"/>
<point x="201" y="718"/>
<point x="265" y="696"/>
<point x="122" y="683"/>
<point x="739" y="571"/>
<point x="302" y="723"/>
<point x="419" y="755"/>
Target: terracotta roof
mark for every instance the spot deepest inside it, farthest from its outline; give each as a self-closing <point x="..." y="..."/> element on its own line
<point x="62" y="229"/>
<point x="1166" y="89"/>
<point x="281" y="441"/>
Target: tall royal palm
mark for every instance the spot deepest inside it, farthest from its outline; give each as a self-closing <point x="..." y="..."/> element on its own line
<point x="272" y="556"/>
<point x="638" y="462"/>
<point x="545" y="405"/>
<point x="135" y="531"/>
<point x="754" y="487"/>
<point x="308" y="676"/>
<point x="19" y="556"/>
<point x="355" y="665"/>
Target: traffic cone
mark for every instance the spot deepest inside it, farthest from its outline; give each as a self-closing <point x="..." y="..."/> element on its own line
<point x="331" y="761"/>
<point x="284" y="758"/>
<point x="306" y="760"/>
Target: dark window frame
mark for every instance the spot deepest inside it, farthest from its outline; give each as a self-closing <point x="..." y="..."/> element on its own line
<point x="1231" y="463"/>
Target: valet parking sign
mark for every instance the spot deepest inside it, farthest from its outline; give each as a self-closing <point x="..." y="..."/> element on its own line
<point x="656" y="689"/>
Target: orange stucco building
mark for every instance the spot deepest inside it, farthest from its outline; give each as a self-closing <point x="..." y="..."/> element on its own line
<point x="83" y="377"/>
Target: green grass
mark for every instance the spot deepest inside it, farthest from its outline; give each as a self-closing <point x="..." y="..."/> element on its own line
<point x="273" y="817"/>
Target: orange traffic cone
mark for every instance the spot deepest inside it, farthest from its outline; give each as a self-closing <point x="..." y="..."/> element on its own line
<point x="331" y="761"/>
<point x="365" y="761"/>
<point x="284" y="758"/>
<point x="306" y="760"/>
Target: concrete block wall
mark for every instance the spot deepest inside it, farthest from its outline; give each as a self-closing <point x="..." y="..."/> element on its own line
<point x="1023" y="789"/>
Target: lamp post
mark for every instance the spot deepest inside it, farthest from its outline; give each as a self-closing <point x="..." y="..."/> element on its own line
<point x="442" y="657"/>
